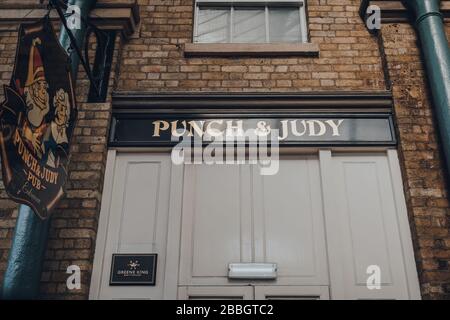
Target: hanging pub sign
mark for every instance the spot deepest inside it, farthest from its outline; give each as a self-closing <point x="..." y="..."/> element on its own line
<point x="37" y="120"/>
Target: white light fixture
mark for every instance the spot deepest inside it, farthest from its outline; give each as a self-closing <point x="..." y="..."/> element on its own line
<point x="253" y="271"/>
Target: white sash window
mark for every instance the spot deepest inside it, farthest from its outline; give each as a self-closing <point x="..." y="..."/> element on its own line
<point x="237" y="21"/>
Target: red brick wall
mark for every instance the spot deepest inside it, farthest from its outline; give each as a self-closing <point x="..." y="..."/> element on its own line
<point x="74" y="224"/>
<point x="349" y="57"/>
<point x="421" y="160"/>
<point x="8" y="209"/>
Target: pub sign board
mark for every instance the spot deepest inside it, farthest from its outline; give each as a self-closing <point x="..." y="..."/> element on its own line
<point x="152" y="130"/>
<point x="37" y="120"/>
<point x="133" y="269"/>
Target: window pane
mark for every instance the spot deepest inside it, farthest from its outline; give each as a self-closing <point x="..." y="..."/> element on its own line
<point x="284" y="25"/>
<point x="213" y="25"/>
<point x="249" y="25"/>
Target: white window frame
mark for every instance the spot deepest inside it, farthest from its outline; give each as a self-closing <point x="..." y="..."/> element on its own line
<point x="257" y="3"/>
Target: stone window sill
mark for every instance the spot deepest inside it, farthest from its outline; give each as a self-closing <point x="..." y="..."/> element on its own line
<point x="250" y="49"/>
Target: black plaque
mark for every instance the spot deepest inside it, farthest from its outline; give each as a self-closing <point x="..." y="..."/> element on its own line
<point x="133" y="269"/>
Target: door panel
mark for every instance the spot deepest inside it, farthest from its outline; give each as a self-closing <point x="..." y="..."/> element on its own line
<point x="216" y="293"/>
<point x="215" y="202"/>
<point x="289" y="226"/>
<point x="291" y="293"/>
<point x="138" y="219"/>
<point x="363" y="228"/>
<point x="217" y="220"/>
<point x="254" y="293"/>
<point x="142" y="181"/>
<point x="233" y="214"/>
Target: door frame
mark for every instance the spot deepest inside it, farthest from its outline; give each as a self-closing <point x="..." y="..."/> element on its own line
<point x="170" y="289"/>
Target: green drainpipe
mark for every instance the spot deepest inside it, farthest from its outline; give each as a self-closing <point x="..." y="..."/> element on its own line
<point x="430" y="28"/>
<point x="23" y="273"/>
<point x="79" y="34"/>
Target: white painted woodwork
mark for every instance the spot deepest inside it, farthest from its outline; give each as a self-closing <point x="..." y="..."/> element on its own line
<point x="233" y="214"/>
<point x="288" y="221"/>
<point x="323" y="219"/>
<point x="362" y="214"/>
<point x="216" y="293"/>
<point x="253" y="293"/>
<point x="291" y="293"/>
<point x="138" y="220"/>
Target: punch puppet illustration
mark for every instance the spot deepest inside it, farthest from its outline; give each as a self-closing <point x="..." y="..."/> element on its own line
<point x="37" y="120"/>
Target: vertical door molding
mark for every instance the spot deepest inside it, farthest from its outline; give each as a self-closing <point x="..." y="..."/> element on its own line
<point x="102" y="231"/>
<point x="185" y="264"/>
<point x="404" y="227"/>
<point x="332" y="227"/>
<point x="174" y="233"/>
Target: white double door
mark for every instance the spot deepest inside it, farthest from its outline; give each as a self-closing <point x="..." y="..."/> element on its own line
<point x="323" y="219"/>
<point x="233" y="214"/>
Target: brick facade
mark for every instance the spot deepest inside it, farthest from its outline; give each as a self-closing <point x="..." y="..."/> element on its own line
<point x="8" y="209"/>
<point x="421" y="160"/>
<point x="153" y="61"/>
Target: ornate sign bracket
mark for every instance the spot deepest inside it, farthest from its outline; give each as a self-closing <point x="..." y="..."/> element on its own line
<point x="103" y="42"/>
